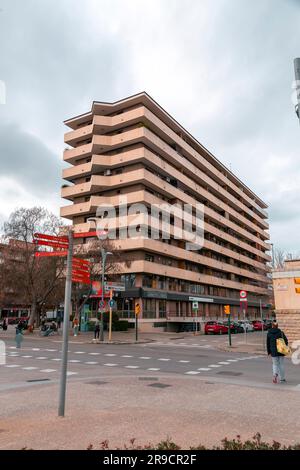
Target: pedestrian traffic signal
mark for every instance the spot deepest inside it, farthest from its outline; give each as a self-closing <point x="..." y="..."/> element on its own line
<point x="137" y="309"/>
<point x="297" y="282"/>
<point x="227" y="309"/>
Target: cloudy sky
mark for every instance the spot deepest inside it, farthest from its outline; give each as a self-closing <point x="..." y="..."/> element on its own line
<point x="222" y="68"/>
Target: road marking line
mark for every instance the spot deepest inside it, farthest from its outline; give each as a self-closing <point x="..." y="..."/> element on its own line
<point x="94" y="354"/>
<point x="42" y="357"/>
<point x="91" y="362"/>
<point x="12" y="347"/>
<point x="29" y="368"/>
<point x="56" y="359"/>
<point x="35" y="349"/>
<point x="214" y="365"/>
<point x="184" y="362"/>
<point x="144" y="357"/>
<point x="110" y="365"/>
<point x="72" y="373"/>
<point x="110" y="355"/>
<point x="13" y="365"/>
<point x="51" y="350"/>
<point x="232" y="360"/>
<point x="125" y="355"/>
<point x="74" y="360"/>
<point x="224" y="363"/>
<point x="26" y="357"/>
<point x="192" y="372"/>
<point x="48" y="370"/>
<point x="79" y="352"/>
<point x="132" y="367"/>
<point x="153" y="368"/>
<point x="163" y="359"/>
<point x="204" y="368"/>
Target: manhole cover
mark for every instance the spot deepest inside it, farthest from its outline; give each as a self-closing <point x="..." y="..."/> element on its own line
<point x="97" y="382"/>
<point x="148" y="378"/>
<point x="38" y="380"/>
<point x="227" y="372"/>
<point x="159" y="385"/>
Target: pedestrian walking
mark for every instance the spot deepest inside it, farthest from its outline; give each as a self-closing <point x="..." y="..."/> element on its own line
<point x="75" y="326"/>
<point x="58" y="322"/>
<point x="277" y="341"/>
<point x="97" y="330"/>
<point x="19" y="337"/>
<point x="4" y="324"/>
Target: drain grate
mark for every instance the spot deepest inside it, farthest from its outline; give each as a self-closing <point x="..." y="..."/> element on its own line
<point x="97" y="382"/>
<point x="38" y="380"/>
<point x="148" y="378"/>
<point x="227" y="372"/>
<point x="159" y="385"/>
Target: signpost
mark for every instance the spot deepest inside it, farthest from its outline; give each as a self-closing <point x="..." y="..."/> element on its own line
<point x="137" y="311"/>
<point x="77" y="270"/>
<point x="195" y="306"/>
<point x="243" y="306"/>
<point x="111" y="306"/>
<point x="227" y="312"/>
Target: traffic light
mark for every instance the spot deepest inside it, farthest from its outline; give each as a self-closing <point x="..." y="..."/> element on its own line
<point x="227" y="309"/>
<point x="297" y="282"/>
<point x="137" y="309"/>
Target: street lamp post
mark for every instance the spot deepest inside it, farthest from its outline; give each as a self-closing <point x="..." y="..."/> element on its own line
<point x="104" y="255"/>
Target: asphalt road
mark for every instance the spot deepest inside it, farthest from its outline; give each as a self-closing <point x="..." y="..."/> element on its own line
<point x="38" y="361"/>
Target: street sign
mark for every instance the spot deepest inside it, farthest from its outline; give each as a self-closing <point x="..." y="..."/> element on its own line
<point x="114" y="286"/>
<point x="111" y="303"/>
<point x="44" y="236"/>
<point x="195" y="305"/>
<point x="102" y="304"/>
<point x="243" y="296"/>
<point x="46" y="254"/>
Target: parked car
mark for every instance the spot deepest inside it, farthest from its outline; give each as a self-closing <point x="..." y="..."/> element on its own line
<point x="246" y="325"/>
<point x="215" y="328"/>
<point x="237" y="327"/>
<point x="258" y="325"/>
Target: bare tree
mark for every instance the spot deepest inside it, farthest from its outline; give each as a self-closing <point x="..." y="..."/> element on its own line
<point x="280" y="256"/>
<point x="37" y="280"/>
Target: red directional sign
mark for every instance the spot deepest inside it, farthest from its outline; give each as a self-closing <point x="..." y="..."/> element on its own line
<point x="43" y="236"/>
<point x="44" y="254"/>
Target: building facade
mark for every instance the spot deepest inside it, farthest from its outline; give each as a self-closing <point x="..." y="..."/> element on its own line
<point x="286" y="283"/>
<point x="133" y="152"/>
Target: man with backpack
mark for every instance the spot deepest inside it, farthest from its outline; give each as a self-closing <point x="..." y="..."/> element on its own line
<point x="277" y="341"/>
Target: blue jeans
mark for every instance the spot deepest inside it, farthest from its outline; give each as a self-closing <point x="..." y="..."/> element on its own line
<point x="278" y="367"/>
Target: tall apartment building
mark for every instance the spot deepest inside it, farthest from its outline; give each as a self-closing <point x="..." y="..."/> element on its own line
<point x="134" y="148"/>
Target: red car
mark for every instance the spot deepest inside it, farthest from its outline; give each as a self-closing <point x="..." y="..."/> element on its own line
<point x="215" y="328"/>
<point x="258" y="325"/>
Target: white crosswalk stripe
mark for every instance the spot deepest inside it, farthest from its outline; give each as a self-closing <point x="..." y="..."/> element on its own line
<point x="48" y="370"/>
<point x="192" y="372"/>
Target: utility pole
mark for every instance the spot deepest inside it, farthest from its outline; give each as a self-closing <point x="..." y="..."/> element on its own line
<point x="67" y="305"/>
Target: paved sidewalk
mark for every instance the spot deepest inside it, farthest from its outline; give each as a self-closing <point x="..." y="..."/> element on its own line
<point x="150" y="409"/>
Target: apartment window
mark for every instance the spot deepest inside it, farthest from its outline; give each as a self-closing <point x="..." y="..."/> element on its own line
<point x="149" y="257"/>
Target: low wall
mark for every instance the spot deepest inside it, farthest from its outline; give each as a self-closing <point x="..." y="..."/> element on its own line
<point x="289" y="322"/>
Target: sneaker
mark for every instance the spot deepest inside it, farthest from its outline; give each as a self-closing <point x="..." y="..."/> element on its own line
<point x="275" y="379"/>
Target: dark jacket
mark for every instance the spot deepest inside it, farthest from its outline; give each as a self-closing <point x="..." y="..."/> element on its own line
<point x="273" y="335"/>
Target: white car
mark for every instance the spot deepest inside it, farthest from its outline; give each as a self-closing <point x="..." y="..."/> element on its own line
<point x="247" y="326"/>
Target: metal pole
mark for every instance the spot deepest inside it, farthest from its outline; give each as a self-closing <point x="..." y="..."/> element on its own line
<point x="136" y="327"/>
<point x="229" y="330"/>
<point x="110" y="318"/>
<point x="245" y="325"/>
<point x="262" y="325"/>
<point x="64" y="363"/>
<point x="103" y="254"/>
